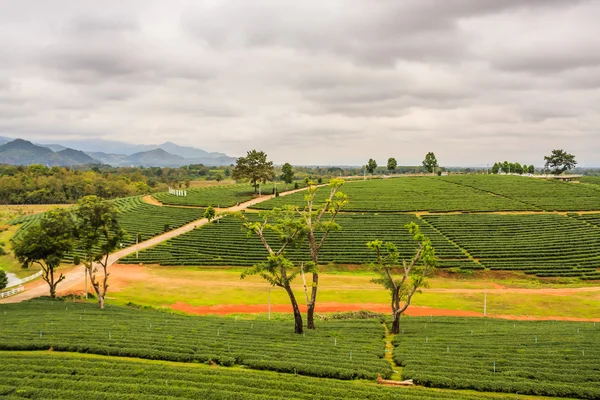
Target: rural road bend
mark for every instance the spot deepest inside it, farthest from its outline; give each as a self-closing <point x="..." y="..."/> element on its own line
<point x="39" y="288"/>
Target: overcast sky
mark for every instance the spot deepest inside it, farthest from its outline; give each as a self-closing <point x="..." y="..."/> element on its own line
<point x="311" y="81"/>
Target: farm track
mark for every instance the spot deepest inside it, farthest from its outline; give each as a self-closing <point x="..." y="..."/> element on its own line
<point x="39" y="288"/>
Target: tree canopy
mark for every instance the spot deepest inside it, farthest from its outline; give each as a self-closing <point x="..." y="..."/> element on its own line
<point x="391" y="164"/>
<point x="371" y="166"/>
<point x="560" y="161"/>
<point x="254" y="167"/>
<point x="430" y="162"/>
<point x="3" y="279"/>
<point x="287" y="173"/>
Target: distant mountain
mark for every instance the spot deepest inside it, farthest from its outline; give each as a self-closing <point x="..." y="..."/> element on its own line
<point x="23" y="152"/>
<point x="5" y="140"/>
<point x="157" y="158"/>
<point x="53" y="147"/>
<point x="110" y="159"/>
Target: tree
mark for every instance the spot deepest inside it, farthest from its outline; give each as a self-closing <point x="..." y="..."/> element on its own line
<point x="47" y="244"/>
<point x="3" y="279"/>
<point x="318" y="229"/>
<point x="392" y="164"/>
<point x="287" y="174"/>
<point x="412" y="274"/>
<point x="254" y="167"/>
<point x="277" y="270"/>
<point x="430" y="162"/>
<point x="371" y="166"/>
<point x="99" y="234"/>
<point x="531" y="169"/>
<point x="524" y="169"/>
<point x="218" y="177"/>
<point x="506" y="167"/>
<point x="518" y="168"/>
<point x="209" y="213"/>
<point x="495" y="168"/>
<point x="560" y="161"/>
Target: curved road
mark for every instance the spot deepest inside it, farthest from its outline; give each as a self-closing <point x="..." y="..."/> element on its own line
<point x="73" y="277"/>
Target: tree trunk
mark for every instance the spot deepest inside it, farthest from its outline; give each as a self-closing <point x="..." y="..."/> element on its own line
<point x="298" y="325"/>
<point x="310" y="313"/>
<point x="396" y="323"/>
<point x="101" y="301"/>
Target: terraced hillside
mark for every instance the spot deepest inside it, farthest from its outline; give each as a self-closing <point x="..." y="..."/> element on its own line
<point x="225" y="243"/>
<point x="546" y="245"/>
<point x="550" y="358"/>
<point x="410" y="194"/>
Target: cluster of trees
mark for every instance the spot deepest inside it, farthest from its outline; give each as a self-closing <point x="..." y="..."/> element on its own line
<point x="92" y="227"/>
<point x="512" y="168"/>
<point x="430" y="164"/>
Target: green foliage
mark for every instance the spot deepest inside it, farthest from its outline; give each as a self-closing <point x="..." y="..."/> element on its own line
<point x="157" y="335"/>
<point x="430" y="162"/>
<point x="371" y="166"/>
<point x="391" y="164"/>
<point x="209" y="213"/>
<point x="287" y="173"/>
<point x="560" y="161"/>
<point x="254" y="167"/>
<point x="3" y="279"/>
<point x="496" y="168"/>
<point x="548" y="358"/>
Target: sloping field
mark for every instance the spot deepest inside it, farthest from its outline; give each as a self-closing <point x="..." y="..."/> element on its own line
<point x="69" y="376"/>
<point x="225" y="243"/>
<point x="542" y="194"/>
<point x="408" y="194"/>
<point x="548" y="358"/>
<point x="546" y="245"/>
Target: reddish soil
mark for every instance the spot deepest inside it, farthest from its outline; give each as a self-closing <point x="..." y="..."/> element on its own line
<point x="415" y="311"/>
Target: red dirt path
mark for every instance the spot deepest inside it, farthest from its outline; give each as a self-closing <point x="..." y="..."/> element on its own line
<point x="416" y="311"/>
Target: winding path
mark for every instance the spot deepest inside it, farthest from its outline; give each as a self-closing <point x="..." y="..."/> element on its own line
<point x="76" y="275"/>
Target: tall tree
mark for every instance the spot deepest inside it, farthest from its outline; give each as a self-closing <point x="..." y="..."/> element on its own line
<point x="209" y="213"/>
<point x="430" y="162"/>
<point x="531" y="169"/>
<point x="392" y="164"/>
<point x="518" y="168"/>
<point x="506" y="167"/>
<point x="99" y="234"/>
<point x="47" y="244"/>
<point x="319" y="221"/>
<point x="404" y="285"/>
<point x="254" y="167"/>
<point x="371" y="166"/>
<point x="560" y="161"/>
<point x="277" y="269"/>
<point x="495" y="168"/>
<point x="287" y="173"/>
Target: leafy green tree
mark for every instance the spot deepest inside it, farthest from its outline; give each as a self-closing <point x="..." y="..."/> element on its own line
<point x="209" y="213"/>
<point x="403" y="285"/>
<point x="99" y="234"/>
<point x="495" y="168"/>
<point x="518" y="168"/>
<point x="392" y="164"/>
<point x="3" y="279"/>
<point x="319" y="220"/>
<point x="287" y="174"/>
<point x="277" y="269"/>
<point x="47" y="244"/>
<point x="254" y="167"/>
<point x="506" y="167"/>
<point x="430" y="162"/>
<point x="560" y="161"/>
<point x="371" y="166"/>
<point x="524" y="169"/>
<point x="531" y="169"/>
<point x="218" y="177"/>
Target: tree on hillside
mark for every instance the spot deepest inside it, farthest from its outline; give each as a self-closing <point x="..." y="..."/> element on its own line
<point x="287" y="174"/>
<point x="46" y="245"/>
<point x="99" y="234"/>
<point x="209" y="213"/>
<point x="403" y="285"/>
<point x="518" y="168"/>
<point x="392" y="164"/>
<point x="254" y="167"/>
<point x="277" y="269"/>
<point x="430" y="162"/>
<point x="3" y="279"/>
<point x="560" y="161"/>
<point x="371" y="166"/>
<point x="506" y="167"/>
<point x="524" y="169"/>
<point x="531" y="169"/>
<point x="495" y="168"/>
<point x="319" y="221"/>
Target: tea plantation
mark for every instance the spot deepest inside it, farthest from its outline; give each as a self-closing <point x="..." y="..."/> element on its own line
<point x="551" y="358"/>
<point x="346" y="349"/>
<point x="225" y="243"/>
<point x="38" y="375"/>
